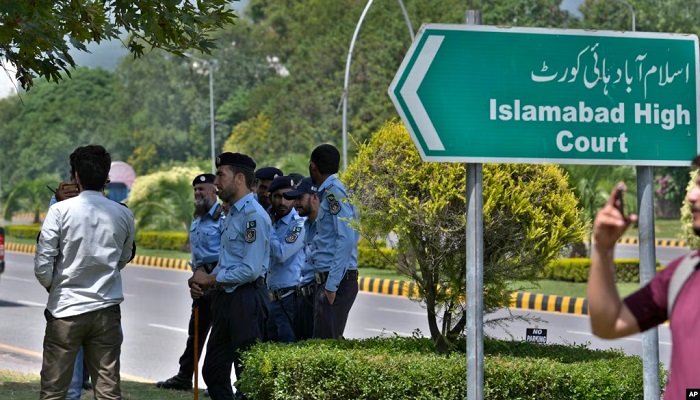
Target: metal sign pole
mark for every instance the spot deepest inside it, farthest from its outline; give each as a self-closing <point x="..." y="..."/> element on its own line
<point x="647" y="270"/>
<point x="475" y="269"/>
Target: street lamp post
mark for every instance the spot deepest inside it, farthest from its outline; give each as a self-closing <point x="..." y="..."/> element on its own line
<point x="634" y="16"/>
<point x="210" y="66"/>
<point x="347" y="72"/>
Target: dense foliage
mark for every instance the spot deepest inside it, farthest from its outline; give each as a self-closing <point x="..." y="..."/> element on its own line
<point x="408" y="368"/>
<point x="278" y="81"/>
<point x="529" y="212"/>
<point x="35" y="35"/>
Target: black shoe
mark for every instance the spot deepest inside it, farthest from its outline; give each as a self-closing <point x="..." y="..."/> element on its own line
<point x="175" y="383"/>
<point x="87" y="385"/>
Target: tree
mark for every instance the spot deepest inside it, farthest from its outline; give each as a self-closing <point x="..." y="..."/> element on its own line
<point x="163" y="200"/>
<point x="678" y="16"/>
<point x="310" y="38"/>
<point x="592" y="185"/>
<point x="29" y="196"/>
<point x="531" y="13"/>
<point x="530" y="214"/>
<point x="39" y="135"/>
<point x="35" y="35"/>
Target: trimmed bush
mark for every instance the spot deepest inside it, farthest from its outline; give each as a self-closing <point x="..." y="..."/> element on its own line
<point x="408" y="368"/>
<point x="161" y="240"/>
<point x="576" y="270"/>
<point x="368" y="257"/>
<point x="30" y="231"/>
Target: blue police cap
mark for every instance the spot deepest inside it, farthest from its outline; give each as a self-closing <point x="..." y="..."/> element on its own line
<point x="305" y="186"/>
<point x="203" y="178"/>
<point x="282" y="182"/>
<point x="235" y="159"/>
<point x="268" y="173"/>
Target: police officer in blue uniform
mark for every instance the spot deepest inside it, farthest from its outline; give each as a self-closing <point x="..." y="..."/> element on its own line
<point x="306" y="201"/>
<point x="264" y="177"/>
<point x="287" y="258"/>
<point x="238" y="301"/>
<point x="334" y="252"/>
<point x="205" y="240"/>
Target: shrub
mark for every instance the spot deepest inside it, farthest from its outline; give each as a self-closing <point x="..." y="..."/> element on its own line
<point x="382" y="258"/>
<point x="161" y="240"/>
<point x="576" y="270"/>
<point x="30" y="231"/>
<point x="409" y="368"/>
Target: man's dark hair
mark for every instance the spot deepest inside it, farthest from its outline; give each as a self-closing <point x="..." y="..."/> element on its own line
<point x="92" y="164"/>
<point x="696" y="161"/>
<point x="327" y="159"/>
<point x="249" y="174"/>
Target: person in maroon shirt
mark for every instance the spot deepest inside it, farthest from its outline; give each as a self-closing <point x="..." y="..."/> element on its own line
<point x="612" y="318"/>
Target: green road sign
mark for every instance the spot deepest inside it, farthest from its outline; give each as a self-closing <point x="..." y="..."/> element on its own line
<point x="475" y="93"/>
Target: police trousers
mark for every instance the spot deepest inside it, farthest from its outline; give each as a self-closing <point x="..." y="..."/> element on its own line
<point x="330" y="319"/>
<point x="238" y="322"/>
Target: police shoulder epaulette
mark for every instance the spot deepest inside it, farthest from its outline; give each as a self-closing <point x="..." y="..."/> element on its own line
<point x="333" y="204"/>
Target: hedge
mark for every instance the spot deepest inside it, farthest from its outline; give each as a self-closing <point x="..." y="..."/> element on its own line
<point x="408" y="368"/>
<point x="161" y="240"/>
<point x="30" y="231"/>
<point x="576" y="270"/>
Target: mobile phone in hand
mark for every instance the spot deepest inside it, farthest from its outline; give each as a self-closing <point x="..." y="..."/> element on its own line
<point x="70" y="186"/>
<point x="620" y="199"/>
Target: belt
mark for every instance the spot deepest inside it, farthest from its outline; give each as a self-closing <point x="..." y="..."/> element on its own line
<point x="208" y="266"/>
<point x="256" y="283"/>
<point x="306" y="290"/>
<point x="279" y="294"/>
<point x="350" y="275"/>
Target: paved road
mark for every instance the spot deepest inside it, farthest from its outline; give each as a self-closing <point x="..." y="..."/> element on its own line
<point x="156" y="310"/>
<point x="155" y="313"/>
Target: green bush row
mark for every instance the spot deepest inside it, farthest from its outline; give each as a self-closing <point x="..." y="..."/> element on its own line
<point x="367" y="256"/>
<point x="408" y="368"/>
<point x="576" y="270"/>
<point x="30" y="231"/>
<point x="170" y="240"/>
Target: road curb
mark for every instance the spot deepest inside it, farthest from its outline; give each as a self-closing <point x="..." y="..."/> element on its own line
<point x="519" y="300"/>
<point x="549" y="303"/>
<point x="658" y="242"/>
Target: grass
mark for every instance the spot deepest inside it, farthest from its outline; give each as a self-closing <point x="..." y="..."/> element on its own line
<point x="561" y="288"/>
<point x="19" y="386"/>
<point x="663" y="229"/>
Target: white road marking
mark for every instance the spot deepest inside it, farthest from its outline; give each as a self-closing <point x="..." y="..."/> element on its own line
<point x="12" y="278"/>
<point x="31" y="303"/>
<point x="422" y="314"/>
<point x="170" y="328"/>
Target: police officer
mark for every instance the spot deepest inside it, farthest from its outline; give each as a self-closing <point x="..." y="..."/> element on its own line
<point x="238" y="300"/>
<point x="287" y="258"/>
<point x="205" y="240"/>
<point x="334" y="252"/>
<point x="264" y="176"/>
<point x="306" y="203"/>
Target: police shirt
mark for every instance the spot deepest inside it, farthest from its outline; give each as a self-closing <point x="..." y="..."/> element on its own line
<point x="245" y="243"/>
<point x="334" y="246"/>
<point x="205" y="237"/>
<point x="286" y="251"/>
<point x="307" y="269"/>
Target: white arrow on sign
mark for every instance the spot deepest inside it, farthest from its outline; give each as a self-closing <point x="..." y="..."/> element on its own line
<point x="409" y="91"/>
